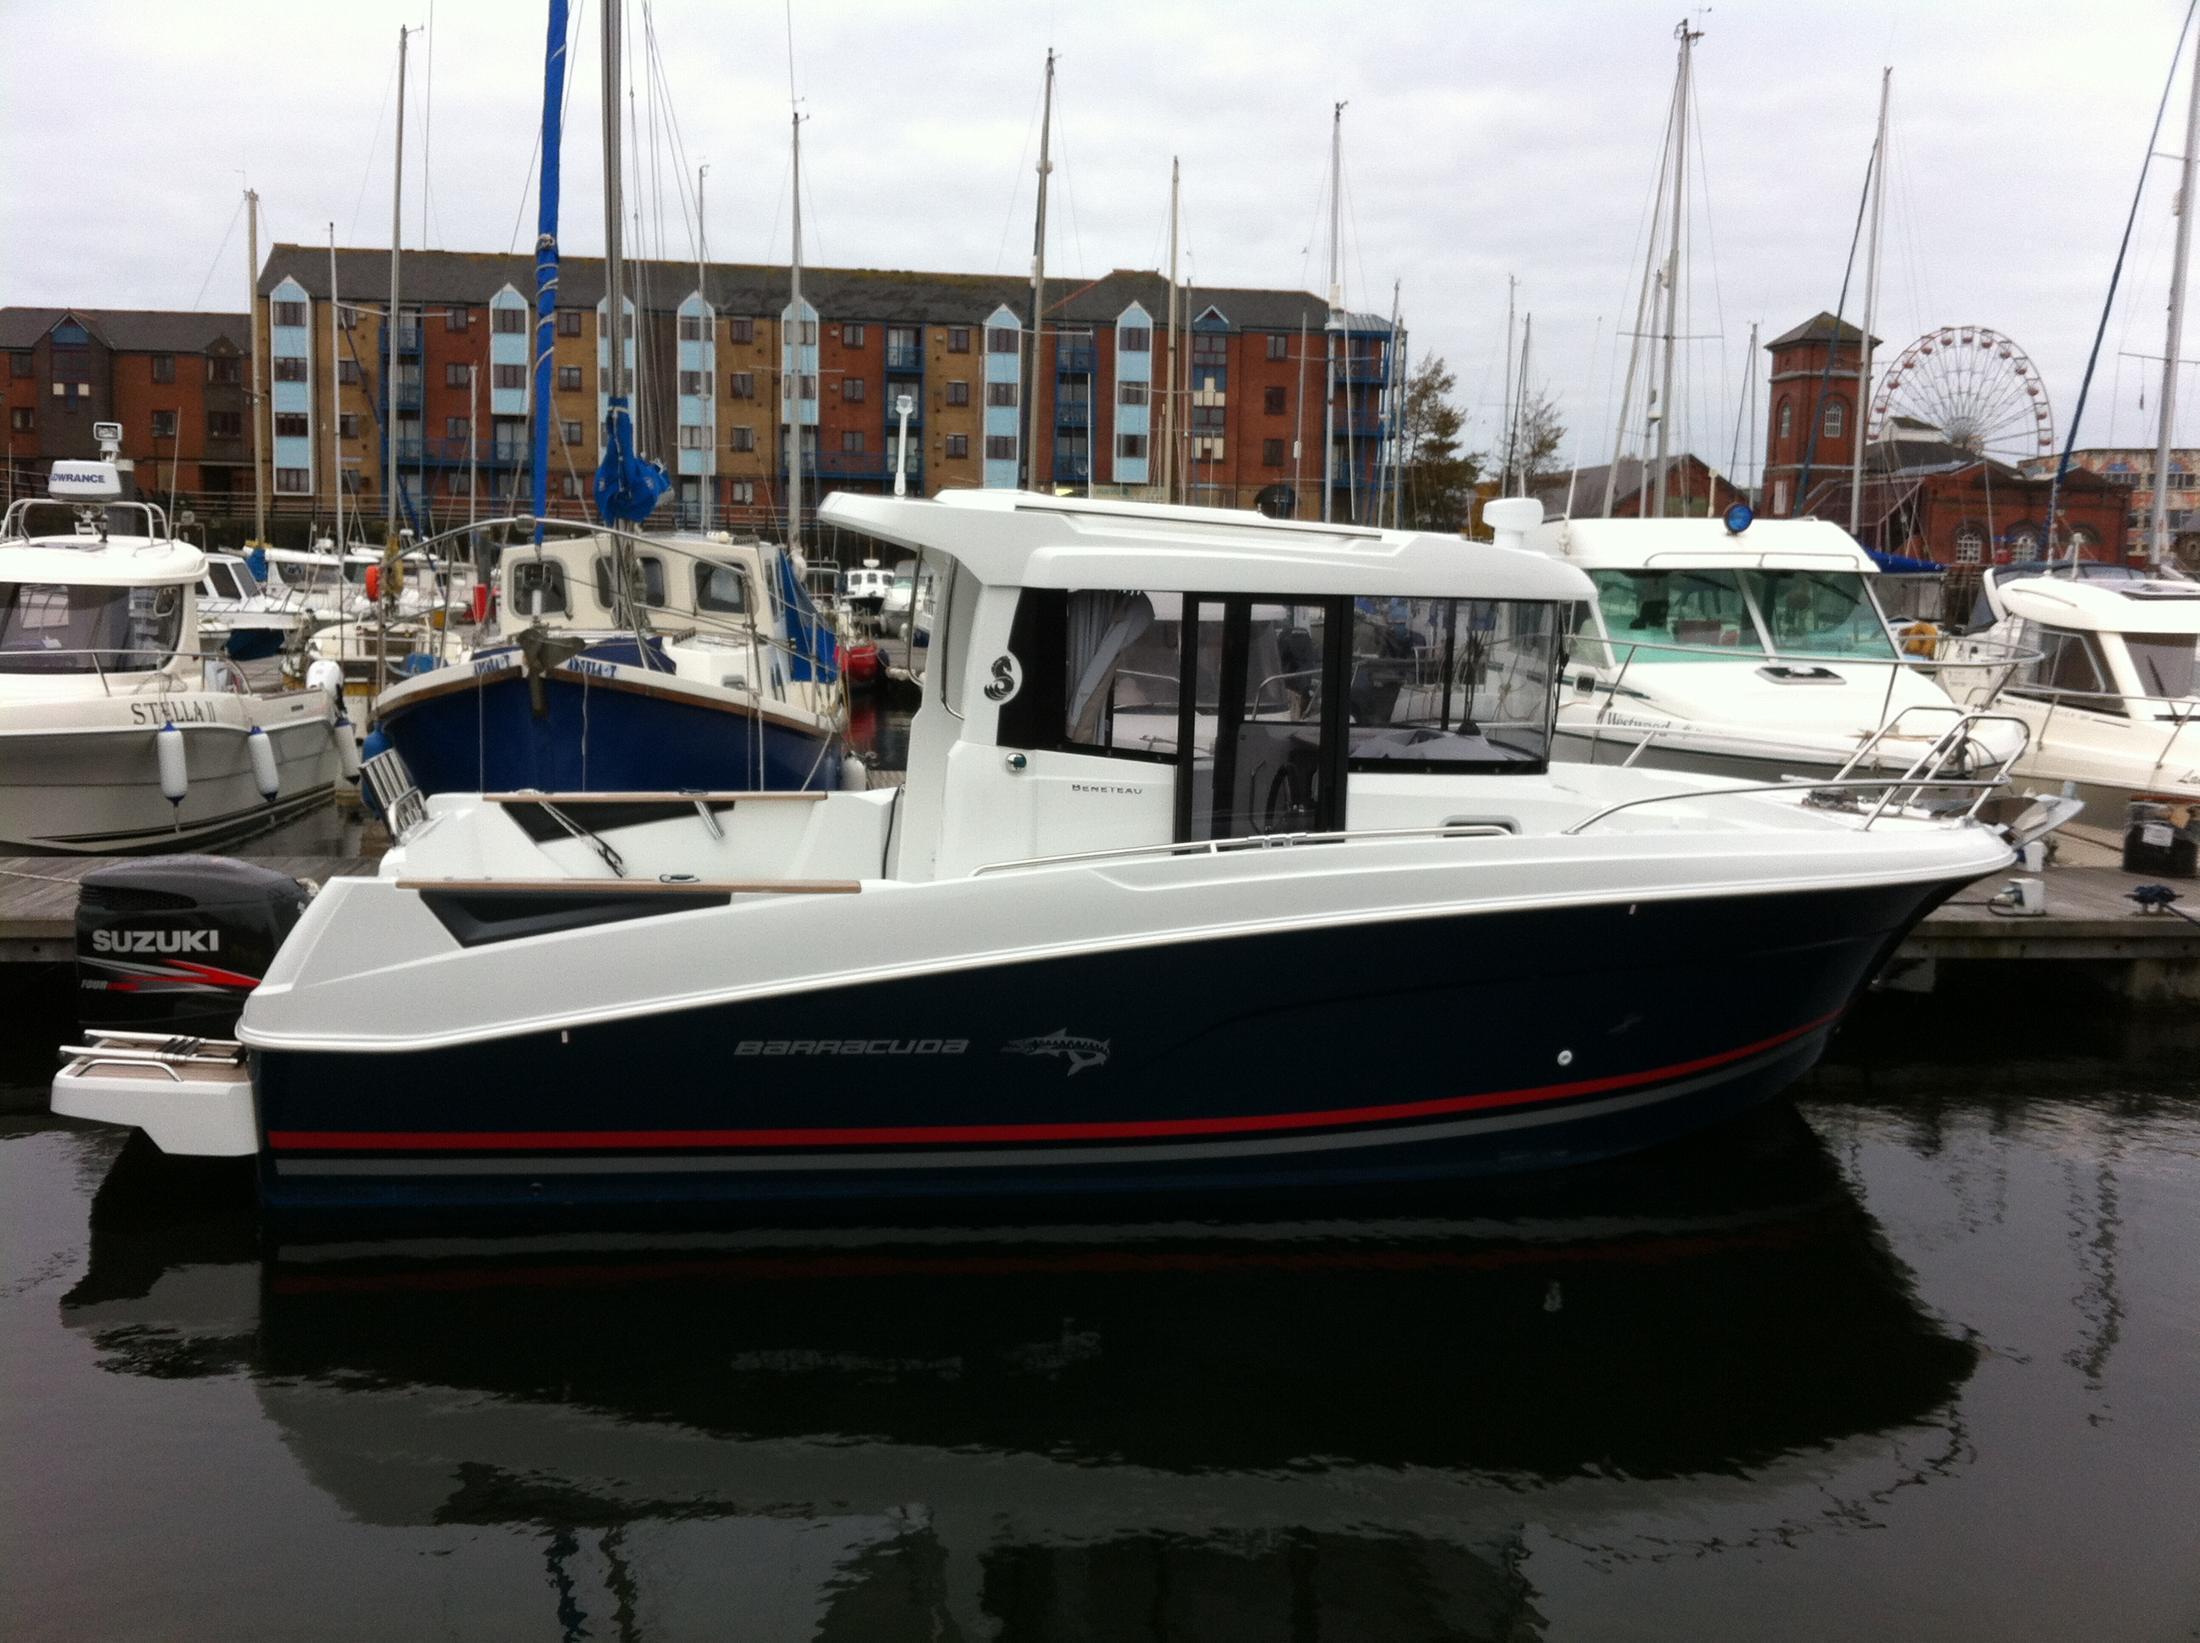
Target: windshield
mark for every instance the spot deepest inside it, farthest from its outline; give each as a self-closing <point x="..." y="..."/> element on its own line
<point x="2165" y="663"/>
<point x="1819" y="613"/>
<point x="59" y="628"/>
<point x="1702" y="609"/>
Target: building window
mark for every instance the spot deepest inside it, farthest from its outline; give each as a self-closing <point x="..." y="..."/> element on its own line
<point x="345" y="318"/>
<point x="22" y="419"/>
<point x="958" y="393"/>
<point x="694" y="437"/>
<point x="743" y="491"/>
<point x="1836" y="419"/>
<point x="958" y="339"/>
<point x="347" y="372"/>
<point x="290" y="313"/>
<point x="1134" y="339"/>
<point x="459" y="484"/>
<point x="851" y="336"/>
<point x="225" y="425"/>
<point x="347" y="425"/>
<point x="19" y="365"/>
<point x="694" y="328"/>
<point x="1002" y="339"/>
<point x="851" y="388"/>
<point x="809" y="333"/>
<point x="569" y="432"/>
<point x="501" y="319"/>
<point x="1271" y="401"/>
<point x="569" y="322"/>
<point x="508" y="376"/>
<point x="223" y="369"/>
<point x="1279" y="345"/>
<point x="569" y="379"/>
<point x="164" y="425"/>
<point x="809" y="386"/>
<point x="851" y="439"/>
<point x="741" y="330"/>
<point x="293" y="481"/>
<point x="1131" y="393"/>
<point x="694" y="382"/>
<point x="1970" y="545"/>
<point x="454" y="427"/>
<point x="1271" y="453"/>
<point x="1001" y="393"/>
<point x="290" y="425"/>
<point x="1000" y="447"/>
<point x="1787" y="419"/>
<point x="569" y="487"/>
<point x="744" y="438"/>
<point x="1130" y="447"/>
<point x="290" y="370"/>
<point x="742" y="385"/>
<point x="456" y="375"/>
<point x="1210" y="348"/>
<point x="164" y="367"/>
<point x="958" y="446"/>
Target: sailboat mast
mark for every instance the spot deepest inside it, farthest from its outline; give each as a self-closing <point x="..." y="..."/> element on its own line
<point x="397" y="236"/>
<point x="335" y="397"/>
<point x="1505" y="405"/>
<point x="1168" y="384"/>
<point x="259" y="392"/>
<point x="1298" y="423"/>
<point x="1675" y="229"/>
<point x="546" y="270"/>
<point x="1333" y="332"/>
<point x="2158" y="525"/>
<point x="1871" y="308"/>
<point x="614" y="259"/>
<point x="707" y="322"/>
<point x="1386" y="445"/>
<point x="794" y="356"/>
<point x="1520" y="404"/>
<point x="1644" y="315"/>
<point x="1039" y="283"/>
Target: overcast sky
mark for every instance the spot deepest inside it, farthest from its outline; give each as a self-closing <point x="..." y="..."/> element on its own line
<point x="1481" y="141"/>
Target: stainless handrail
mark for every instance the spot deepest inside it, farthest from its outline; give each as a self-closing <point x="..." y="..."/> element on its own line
<point x="1872" y="784"/>
<point x="1254" y="841"/>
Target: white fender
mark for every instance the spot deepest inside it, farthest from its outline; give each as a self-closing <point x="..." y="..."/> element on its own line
<point x="264" y="774"/>
<point x="347" y="747"/>
<point x="175" y="776"/>
<point x="329" y="676"/>
<point x="854" y="778"/>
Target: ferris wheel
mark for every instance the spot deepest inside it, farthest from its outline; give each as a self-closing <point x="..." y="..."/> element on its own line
<point x="1975" y="388"/>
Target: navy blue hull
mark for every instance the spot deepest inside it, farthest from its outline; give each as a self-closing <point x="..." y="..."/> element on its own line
<point x="483" y="736"/>
<point x="1446" y="1046"/>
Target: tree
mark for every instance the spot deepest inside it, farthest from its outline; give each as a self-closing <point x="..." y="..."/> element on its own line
<point x="1533" y="435"/>
<point x="1439" y="477"/>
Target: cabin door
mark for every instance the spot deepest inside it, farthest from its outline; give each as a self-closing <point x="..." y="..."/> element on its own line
<point x="1260" y="743"/>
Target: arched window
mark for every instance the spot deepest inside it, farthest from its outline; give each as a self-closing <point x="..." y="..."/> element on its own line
<point x="1836" y="419"/>
<point x="1787" y="419"/>
<point x="1970" y="544"/>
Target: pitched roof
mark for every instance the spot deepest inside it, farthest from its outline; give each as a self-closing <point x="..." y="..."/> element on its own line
<point x="1587" y="484"/>
<point x="875" y="294"/>
<point x="129" y="330"/>
<point x="1820" y="327"/>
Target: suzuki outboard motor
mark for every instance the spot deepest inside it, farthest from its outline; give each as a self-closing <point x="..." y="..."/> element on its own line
<point x="175" y="944"/>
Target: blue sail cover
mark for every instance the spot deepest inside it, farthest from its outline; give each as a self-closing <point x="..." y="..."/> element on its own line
<point x="628" y="486"/>
<point x="815" y="653"/>
<point x="546" y="259"/>
<point x="1901" y="566"/>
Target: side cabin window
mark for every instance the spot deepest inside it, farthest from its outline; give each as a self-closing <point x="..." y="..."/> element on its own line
<point x="537" y="588"/>
<point x="1819" y="613"/>
<point x="2071" y="669"/>
<point x="2168" y="664"/>
<point x="1667" y="616"/>
<point x="722" y="589"/>
<point x="647" y="581"/>
<point x="1452" y="684"/>
<point x="1102" y="673"/>
<point x="221" y="581"/>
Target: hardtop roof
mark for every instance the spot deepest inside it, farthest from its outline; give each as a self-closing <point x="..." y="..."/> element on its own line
<point x="2105" y="606"/>
<point x="1027" y="539"/>
<point x="1674" y="544"/>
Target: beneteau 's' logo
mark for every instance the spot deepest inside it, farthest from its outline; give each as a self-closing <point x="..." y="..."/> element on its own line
<point x="1080" y="1053"/>
<point x="1008" y="678"/>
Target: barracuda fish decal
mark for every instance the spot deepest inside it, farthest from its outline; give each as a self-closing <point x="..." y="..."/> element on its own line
<point x="1080" y="1053"/>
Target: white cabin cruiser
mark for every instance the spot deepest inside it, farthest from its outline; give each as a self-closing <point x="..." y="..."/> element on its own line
<point x="239" y="616"/>
<point x="1183" y="893"/>
<point x="2113" y="703"/>
<point x="118" y="732"/>
<point x="1749" y="648"/>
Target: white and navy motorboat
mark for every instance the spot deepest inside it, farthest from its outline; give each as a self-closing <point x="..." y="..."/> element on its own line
<point x="1184" y="892"/>
<point x="240" y="616"/>
<point x="1744" y="647"/>
<point x="119" y="731"/>
<point x="2112" y="700"/>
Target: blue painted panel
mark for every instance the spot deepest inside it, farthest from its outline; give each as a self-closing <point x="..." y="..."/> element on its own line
<point x="291" y="396"/>
<point x="293" y="452"/>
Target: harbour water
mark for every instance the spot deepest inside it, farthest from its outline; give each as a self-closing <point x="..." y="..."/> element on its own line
<point x="1914" y="1357"/>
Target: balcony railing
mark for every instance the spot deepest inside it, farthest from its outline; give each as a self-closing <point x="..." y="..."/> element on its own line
<point x="1075" y="359"/>
<point x="405" y="395"/>
<point x="408" y="338"/>
<point x="1072" y="470"/>
<point x="450" y="451"/>
<point x="1072" y="413"/>
<point x="1363" y="371"/>
<point x="907" y="357"/>
<point x="829" y="465"/>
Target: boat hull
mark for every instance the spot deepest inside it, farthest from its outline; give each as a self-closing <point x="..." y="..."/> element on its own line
<point x="1437" y="1046"/>
<point x="95" y="790"/>
<point x="603" y="729"/>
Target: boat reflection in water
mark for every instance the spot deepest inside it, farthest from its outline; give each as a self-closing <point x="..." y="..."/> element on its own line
<point x="1257" y="1429"/>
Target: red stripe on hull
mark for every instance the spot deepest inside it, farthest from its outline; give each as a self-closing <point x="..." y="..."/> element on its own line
<point x="937" y="1134"/>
